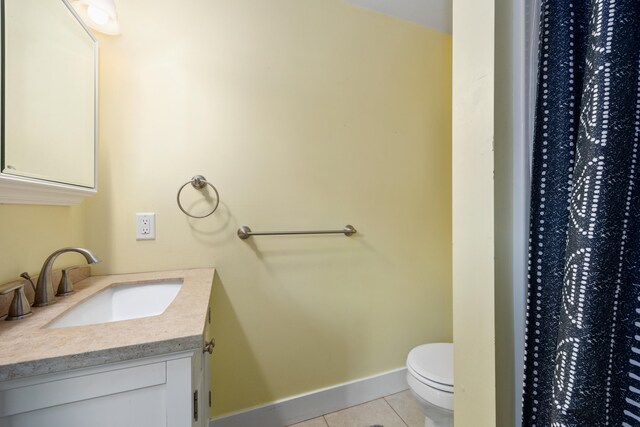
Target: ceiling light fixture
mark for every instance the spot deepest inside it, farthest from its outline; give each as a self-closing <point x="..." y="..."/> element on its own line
<point x="99" y="14"/>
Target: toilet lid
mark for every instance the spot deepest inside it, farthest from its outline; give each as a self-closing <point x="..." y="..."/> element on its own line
<point x="434" y="363"/>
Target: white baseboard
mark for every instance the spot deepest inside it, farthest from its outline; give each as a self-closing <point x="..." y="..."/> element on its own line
<point x="292" y="410"/>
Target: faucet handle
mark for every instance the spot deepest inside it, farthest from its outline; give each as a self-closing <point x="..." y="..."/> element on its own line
<point x="19" y="307"/>
<point x="66" y="285"/>
<point x="26" y="276"/>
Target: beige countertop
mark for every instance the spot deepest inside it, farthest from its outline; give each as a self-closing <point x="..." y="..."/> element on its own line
<point x="28" y="347"/>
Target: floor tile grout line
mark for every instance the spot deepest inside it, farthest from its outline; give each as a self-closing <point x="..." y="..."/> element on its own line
<point x="394" y="410"/>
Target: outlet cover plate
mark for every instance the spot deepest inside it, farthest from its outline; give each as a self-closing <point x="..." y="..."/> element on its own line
<point x="145" y="226"/>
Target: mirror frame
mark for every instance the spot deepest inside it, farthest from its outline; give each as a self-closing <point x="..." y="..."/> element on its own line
<point x="24" y="190"/>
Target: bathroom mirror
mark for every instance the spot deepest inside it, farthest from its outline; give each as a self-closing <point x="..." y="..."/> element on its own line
<point x="49" y="104"/>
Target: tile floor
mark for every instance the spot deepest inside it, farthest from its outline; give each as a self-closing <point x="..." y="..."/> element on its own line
<point x="397" y="410"/>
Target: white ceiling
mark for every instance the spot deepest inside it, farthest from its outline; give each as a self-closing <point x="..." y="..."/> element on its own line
<point x="434" y="14"/>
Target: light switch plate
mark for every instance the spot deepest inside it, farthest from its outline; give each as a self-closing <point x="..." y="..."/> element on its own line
<point x="145" y="226"/>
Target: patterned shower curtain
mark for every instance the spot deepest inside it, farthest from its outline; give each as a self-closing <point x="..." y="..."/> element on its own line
<point x="582" y="363"/>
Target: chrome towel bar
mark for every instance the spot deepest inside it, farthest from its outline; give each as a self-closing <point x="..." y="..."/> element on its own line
<point x="245" y="232"/>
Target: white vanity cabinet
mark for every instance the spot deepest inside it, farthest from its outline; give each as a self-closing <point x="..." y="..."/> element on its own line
<point x="143" y="372"/>
<point x="169" y="390"/>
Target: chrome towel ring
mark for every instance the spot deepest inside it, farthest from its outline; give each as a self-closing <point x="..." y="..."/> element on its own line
<point x="198" y="182"/>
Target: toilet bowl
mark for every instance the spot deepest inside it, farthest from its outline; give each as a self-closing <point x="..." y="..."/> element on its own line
<point x="430" y="379"/>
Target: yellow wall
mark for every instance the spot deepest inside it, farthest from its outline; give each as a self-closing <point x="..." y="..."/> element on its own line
<point x="31" y="233"/>
<point x="473" y="213"/>
<point x="304" y="114"/>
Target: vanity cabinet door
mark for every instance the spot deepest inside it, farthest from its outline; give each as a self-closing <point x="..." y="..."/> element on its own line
<point x="206" y="386"/>
<point x="129" y="396"/>
<point x="200" y="405"/>
<point x="200" y="380"/>
<point x="144" y="393"/>
<point x="137" y="408"/>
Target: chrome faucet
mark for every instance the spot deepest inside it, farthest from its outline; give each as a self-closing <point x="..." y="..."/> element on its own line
<point x="44" y="287"/>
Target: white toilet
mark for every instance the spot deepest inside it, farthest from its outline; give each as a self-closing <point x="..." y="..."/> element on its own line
<point x="430" y="378"/>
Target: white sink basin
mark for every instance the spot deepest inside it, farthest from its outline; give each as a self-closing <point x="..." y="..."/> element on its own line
<point x="121" y="302"/>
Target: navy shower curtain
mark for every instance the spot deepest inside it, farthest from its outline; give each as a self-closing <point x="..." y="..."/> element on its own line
<point x="582" y="363"/>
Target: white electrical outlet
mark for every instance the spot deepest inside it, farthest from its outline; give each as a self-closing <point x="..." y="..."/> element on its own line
<point x="145" y="226"/>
